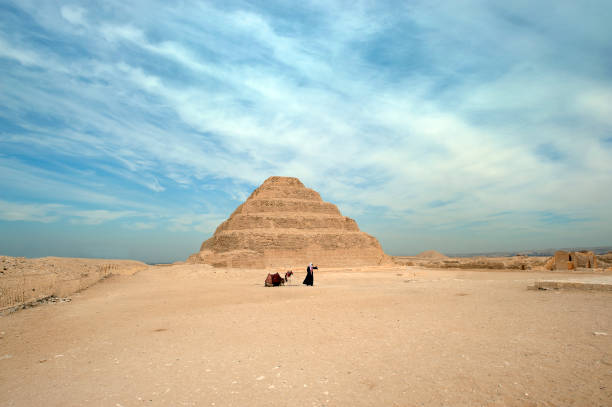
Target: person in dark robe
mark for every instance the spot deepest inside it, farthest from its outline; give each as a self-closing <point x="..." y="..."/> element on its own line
<point x="309" y="280"/>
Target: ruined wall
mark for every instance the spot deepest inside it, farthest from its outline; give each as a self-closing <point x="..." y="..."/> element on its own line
<point x="475" y="263"/>
<point x="24" y="281"/>
<point x="585" y="259"/>
<point x="604" y="260"/>
<point x="563" y="260"/>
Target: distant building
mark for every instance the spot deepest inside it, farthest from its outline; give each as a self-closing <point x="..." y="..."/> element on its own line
<point x="563" y="260"/>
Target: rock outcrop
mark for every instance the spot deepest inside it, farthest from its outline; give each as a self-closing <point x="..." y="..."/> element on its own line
<point x="284" y="224"/>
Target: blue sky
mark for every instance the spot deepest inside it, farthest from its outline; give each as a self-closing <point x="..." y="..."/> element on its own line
<point x="132" y="129"/>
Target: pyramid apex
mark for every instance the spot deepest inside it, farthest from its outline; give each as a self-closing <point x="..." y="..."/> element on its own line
<point x="278" y="180"/>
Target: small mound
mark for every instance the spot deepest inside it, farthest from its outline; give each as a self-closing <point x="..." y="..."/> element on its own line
<point x="431" y="254"/>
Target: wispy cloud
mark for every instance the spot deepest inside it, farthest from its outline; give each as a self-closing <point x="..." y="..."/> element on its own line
<point x="95" y="217"/>
<point x="73" y="14"/>
<point x="142" y="225"/>
<point x="204" y="223"/>
<point x="45" y="213"/>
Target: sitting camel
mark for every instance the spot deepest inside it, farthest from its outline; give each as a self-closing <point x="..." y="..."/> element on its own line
<point x="274" y="280"/>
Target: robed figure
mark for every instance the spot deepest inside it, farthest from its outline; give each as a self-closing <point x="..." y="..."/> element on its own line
<point x="309" y="280"/>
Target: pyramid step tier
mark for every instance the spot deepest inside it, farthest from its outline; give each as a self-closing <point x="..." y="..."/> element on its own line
<point x="284" y="221"/>
<point x="292" y="259"/>
<point x="302" y="194"/>
<point x="255" y="206"/>
<point x="259" y="241"/>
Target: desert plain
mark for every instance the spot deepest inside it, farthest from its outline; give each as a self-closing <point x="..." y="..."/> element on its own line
<point x="194" y="335"/>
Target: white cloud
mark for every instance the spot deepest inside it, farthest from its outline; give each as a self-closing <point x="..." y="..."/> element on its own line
<point x="55" y="186"/>
<point x="121" y="32"/>
<point x="204" y="223"/>
<point x="141" y="225"/>
<point x="24" y="57"/>
<point x="74" y="14"/>
<point x="98" y="216"/>
<point x="597" y="104"/>
<point x="53" y="212"/>
<point x="45" y="213"/>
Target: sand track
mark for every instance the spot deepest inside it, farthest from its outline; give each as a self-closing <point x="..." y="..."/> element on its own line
<point x="193" y="335"/>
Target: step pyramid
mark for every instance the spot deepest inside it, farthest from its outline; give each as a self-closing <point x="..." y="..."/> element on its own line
<point x="283" y="224"/>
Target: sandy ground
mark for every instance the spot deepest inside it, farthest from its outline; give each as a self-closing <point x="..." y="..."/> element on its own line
<point x="192" y="336"/>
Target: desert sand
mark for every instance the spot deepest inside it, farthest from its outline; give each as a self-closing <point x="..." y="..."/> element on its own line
<point x="193" y="335"/>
